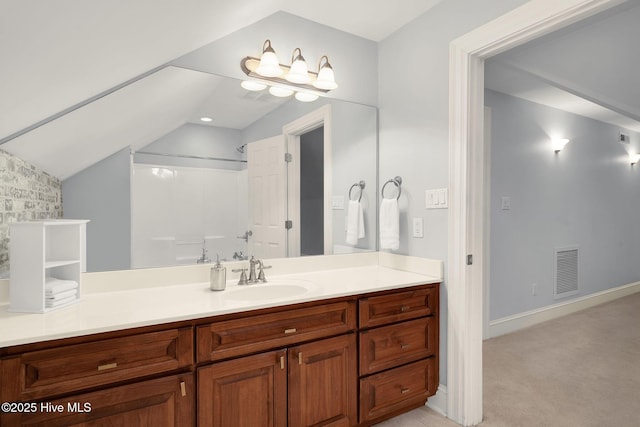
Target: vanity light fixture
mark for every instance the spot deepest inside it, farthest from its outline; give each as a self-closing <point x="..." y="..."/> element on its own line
<point x="558" y="144"/>
<point x="284" y="80"/>
<point x="269" y="65"/>
<point x="634" y="158"/>
<point x="299" y="72"/>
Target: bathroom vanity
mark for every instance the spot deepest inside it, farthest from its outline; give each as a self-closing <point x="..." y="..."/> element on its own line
<point x="345" y="356"/>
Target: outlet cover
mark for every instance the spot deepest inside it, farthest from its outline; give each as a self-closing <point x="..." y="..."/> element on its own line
<point x="418" y="228"/>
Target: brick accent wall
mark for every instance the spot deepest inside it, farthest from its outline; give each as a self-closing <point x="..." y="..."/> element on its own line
<point x="27" y="193"/>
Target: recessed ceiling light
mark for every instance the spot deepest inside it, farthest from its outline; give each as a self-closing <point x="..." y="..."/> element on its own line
<point x="206" y="119"/>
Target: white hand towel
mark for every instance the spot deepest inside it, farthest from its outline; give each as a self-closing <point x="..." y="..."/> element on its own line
<point x="58" y="303"/>
<point x="355" y="222"/>
<point x="62" y="295"/>
<point x="54" y="286"/>
<point x="389" y="224"/>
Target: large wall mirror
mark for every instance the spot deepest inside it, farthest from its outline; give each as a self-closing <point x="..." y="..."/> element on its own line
<point x="181" y="166"/>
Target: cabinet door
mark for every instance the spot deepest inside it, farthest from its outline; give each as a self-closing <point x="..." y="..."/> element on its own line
<point x="323" y="383"/>
<point x="246" y="392"/>
<point x="163" y="402"/>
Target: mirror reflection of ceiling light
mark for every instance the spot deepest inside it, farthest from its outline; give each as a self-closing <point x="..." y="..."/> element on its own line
<point x="253" y="85"/>
<point x="306" y="97"/>
<point x="634" y="158"/>
<point x="280" y="92"/>
<point x="267" y="71"/>
<point x="206" y="119"/>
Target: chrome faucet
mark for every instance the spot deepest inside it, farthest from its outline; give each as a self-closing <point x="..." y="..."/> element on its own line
<point x="254" y="277"/>
<point x="203" y="259"/>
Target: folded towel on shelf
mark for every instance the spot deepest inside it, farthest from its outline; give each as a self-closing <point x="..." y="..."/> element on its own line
<point x="53" y="286"/>
<point x="51" y="304"/>
<point x="389" y="224"/>
<point x="61" y="295"/>
<point x="355" y="222"/>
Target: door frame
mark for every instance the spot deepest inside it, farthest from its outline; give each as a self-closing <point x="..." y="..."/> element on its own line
<point x="466" y="214"/>
<point x="292" y="132"/>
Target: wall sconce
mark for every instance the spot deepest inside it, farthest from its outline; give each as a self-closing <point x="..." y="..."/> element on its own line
<point x="284" y="80"/>
<point x="634" y="158"/>
<point x="558" y="144"/>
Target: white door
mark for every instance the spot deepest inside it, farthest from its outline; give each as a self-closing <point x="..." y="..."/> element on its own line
<point x="267" y="198"/>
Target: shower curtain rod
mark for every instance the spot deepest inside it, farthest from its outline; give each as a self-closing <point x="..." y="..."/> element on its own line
<point x="185" y="156"/>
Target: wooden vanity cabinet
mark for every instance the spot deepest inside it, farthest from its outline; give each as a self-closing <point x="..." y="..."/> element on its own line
<point x="351" y="361"/>
<point x="399" y="351"/>
<point x="312" y="381"/>
<point x="139" y="379"/>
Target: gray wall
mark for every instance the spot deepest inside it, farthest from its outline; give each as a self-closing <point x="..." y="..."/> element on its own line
<point x="414" y="120"/>
<point x="101" y="193"/>
<point x="588" y="194"/>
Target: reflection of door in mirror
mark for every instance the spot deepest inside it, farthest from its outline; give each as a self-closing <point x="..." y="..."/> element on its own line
<point x="267" y="197"/>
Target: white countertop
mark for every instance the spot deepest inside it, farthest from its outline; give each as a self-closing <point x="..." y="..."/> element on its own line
<point x="122" y="309"/>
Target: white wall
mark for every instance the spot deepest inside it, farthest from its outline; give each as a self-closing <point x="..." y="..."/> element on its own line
<point x="586" y="195"/>
<point x="413" y="102"/>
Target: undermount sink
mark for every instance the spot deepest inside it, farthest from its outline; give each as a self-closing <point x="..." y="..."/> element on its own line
<point x="269" y="290"/>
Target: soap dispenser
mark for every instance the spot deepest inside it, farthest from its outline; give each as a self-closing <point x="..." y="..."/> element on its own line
<point x="218" y="279"/>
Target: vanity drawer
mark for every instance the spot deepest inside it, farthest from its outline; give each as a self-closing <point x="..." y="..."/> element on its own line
<point x="396" y="389"/>
<point x="222" y="340"/>
<point x="394" y="345"/>
<point x="385" y="309"/>
<point x="80" y="366"/>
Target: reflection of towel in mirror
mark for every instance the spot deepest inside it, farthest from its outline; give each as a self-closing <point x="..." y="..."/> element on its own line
<point x="50" y="303"/>
<point x="61" y="295"/>
<point x="355" y="222"/>
<point x="389" y="224"/>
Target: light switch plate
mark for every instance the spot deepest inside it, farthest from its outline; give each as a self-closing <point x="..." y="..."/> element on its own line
<point x="337" y="203"/>
<point x="437" y="199"/>
<point x="418" y="228"/>
<point x="505" y="203"/>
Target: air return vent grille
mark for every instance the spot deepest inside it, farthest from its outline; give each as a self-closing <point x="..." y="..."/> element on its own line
<point x="566" y="271"/>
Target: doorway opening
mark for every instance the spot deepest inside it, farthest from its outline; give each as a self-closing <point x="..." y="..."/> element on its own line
<point x="311" y="166"/>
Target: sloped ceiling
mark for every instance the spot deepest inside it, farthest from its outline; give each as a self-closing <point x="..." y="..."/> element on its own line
<point x="589" y="68"/>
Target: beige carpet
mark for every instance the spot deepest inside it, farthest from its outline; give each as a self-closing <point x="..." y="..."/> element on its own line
<point x="580" y="370"/>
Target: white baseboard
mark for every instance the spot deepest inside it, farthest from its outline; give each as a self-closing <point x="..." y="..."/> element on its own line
<point x="439" y="402"/>
<point x="529" y="318"/>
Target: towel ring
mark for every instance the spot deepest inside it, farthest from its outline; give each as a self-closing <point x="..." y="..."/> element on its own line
<point x="357" y="184"/>
<point x="397" y="181"/>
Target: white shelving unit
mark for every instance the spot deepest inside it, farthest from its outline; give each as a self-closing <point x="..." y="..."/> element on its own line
<point x="38" y="249"/>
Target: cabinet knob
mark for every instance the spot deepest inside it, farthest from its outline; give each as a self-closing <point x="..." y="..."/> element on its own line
<point x="290" y="331"/>
<point x="281" y="362"/>
<point x="404" y="308"/>
<point x="183" y="388"/>
<point x="405" y="346"/>
<point x="404" y="390"/>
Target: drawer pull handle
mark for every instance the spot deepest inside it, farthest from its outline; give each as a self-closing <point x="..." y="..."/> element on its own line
<point x="405" y="346"/>
<point x="290" y="331"/>
<point x="281" y="362"/>
<point x="107" y="366"/>
<point x="404" y="308"/>
<point x="404" y="390"/>
<point x="183" y="388"/>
